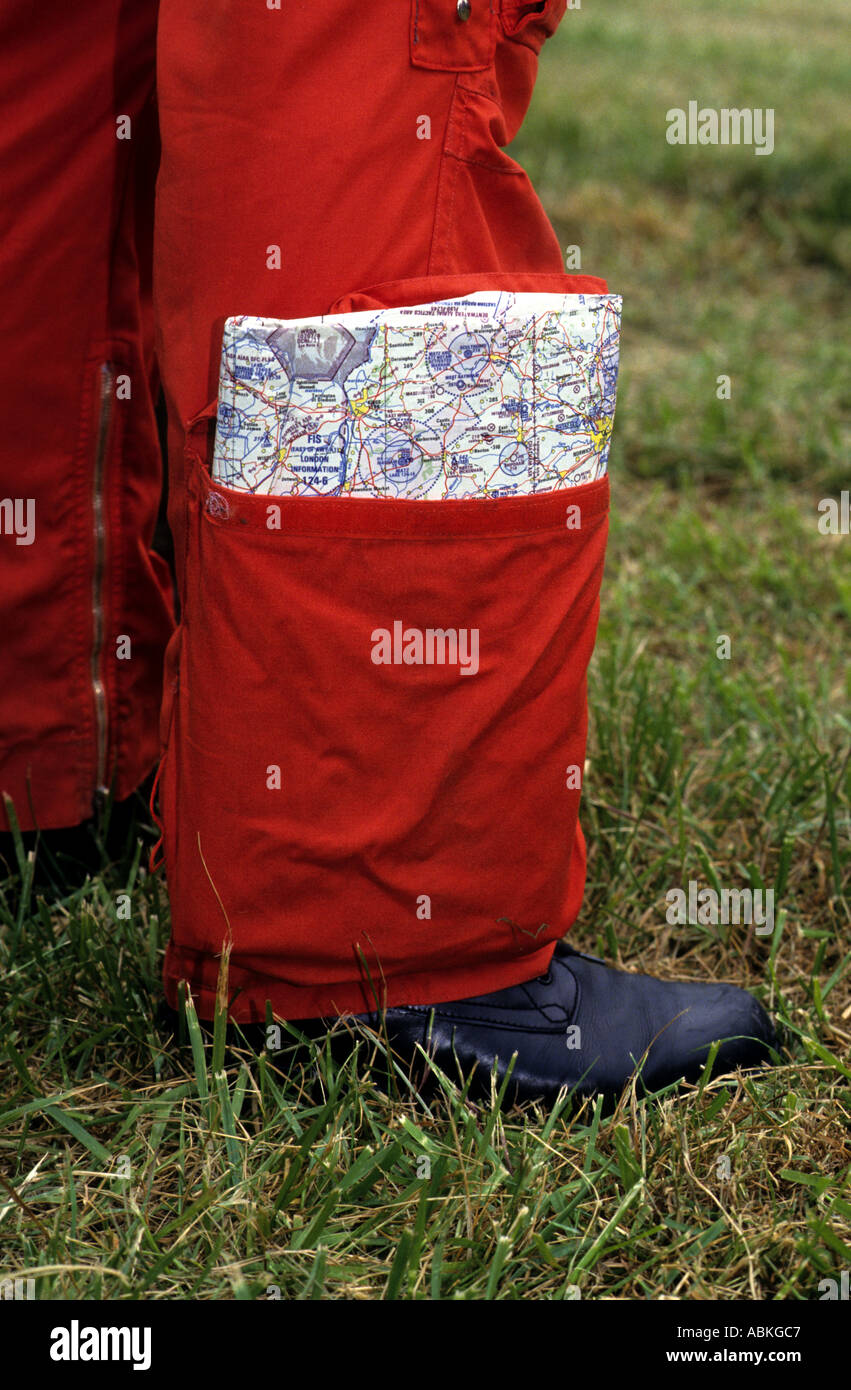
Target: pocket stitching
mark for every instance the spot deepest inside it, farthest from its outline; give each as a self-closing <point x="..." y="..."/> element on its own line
<point x="595" y="511"/>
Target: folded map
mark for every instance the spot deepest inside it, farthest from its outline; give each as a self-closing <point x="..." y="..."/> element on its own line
<point x="491" y="395"/>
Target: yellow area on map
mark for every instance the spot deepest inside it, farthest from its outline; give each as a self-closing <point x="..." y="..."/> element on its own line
<point x="360" y="404"/>
<point x="601" y="434"/>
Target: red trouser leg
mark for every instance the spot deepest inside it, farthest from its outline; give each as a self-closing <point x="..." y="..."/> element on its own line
<point x="336" y="822"/>
<point x="85" y="606"/>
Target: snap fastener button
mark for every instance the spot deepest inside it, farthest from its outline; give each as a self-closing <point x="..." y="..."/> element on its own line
<point x="218" y="505"/>
<point x="462" y="9"/>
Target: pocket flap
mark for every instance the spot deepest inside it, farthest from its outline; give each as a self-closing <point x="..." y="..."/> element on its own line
<point x="453" y="35"/>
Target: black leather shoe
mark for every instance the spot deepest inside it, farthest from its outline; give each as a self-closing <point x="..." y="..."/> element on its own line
<point x="583" y="1025"/>
<point x="586" y="1026"/>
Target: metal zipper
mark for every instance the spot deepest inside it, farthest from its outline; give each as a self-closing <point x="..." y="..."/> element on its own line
<point x="106" y="383"/>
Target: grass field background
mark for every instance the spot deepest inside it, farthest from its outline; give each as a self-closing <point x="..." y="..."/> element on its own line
<point x="131" y="1171"/>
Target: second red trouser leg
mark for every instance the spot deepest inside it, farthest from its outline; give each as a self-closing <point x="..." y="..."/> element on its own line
<point x="85" y="603"/>
<point x="349" y="835"/>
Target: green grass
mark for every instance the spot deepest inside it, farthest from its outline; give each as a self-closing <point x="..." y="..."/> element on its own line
<point x="132" y="1170"/>
<point x="728" y="262"/>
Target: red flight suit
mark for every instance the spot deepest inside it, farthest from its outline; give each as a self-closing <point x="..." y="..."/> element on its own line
<point x="357" y="833"/>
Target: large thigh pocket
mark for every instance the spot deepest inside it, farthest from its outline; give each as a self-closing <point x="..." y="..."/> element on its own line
<point x="380" y="731"/>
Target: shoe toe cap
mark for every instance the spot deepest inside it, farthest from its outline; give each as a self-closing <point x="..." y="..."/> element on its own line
<point x="710" y="1013"/>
